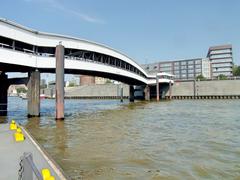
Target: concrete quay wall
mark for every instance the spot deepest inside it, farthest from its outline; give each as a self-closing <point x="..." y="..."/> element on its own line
<point x="206" y="88"/>
<point x="215" y="89"/>
<point x="93" y="91"/>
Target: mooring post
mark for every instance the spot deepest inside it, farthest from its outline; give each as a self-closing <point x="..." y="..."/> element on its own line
<point x="33" y="93"/>
<point x="147" y="93"/>
<point x="121" y="93"/>
<point x="3" y="93"/>
<point x="131" y="93"/>
<point x="59" y="54"/>
<point x="170" y="90"/>
<point x="157" y="87"/>
<point x="194" y="89"/>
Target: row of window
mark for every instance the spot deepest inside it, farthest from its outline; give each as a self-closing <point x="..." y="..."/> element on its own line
<point x="220" y="51"/>
<point x="221" y="65"/>
<point x="221" y="69"/>
<point x="220" y="56"/>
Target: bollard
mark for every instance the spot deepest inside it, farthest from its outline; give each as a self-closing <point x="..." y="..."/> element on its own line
<point x="19" y="135"/>
<point x="47" y="175"/>
<point x="13" y="125"/>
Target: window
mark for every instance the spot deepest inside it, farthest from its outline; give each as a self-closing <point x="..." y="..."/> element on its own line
<point x="183" y="63"/>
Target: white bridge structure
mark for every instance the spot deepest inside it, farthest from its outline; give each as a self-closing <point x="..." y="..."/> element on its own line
<point x="26" y="50"/>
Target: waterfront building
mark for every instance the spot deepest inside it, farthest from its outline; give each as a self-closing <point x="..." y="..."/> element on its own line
<point x="221" y="60"/>
<point x="206" y="68"/>
<point x="87" y="80"/>
<point x="181" y="69"/>
<point x="218" y="61"/>
<point x="100" y="80"/>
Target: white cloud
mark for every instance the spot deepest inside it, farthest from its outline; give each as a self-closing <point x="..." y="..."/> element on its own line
<point x="59" y="6"/>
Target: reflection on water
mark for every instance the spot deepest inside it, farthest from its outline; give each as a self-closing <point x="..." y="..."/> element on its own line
<point x="104" y="139"/>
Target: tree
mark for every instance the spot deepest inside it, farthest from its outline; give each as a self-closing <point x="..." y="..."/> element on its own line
<point x="43" y="86"/>
<point x="222" y="77"/>
<point x="200" y="77"/>
<point x="108" y="81"/>
<point x="236" y="70"/>
<point x="71" y="84"/>
<point x="21" y="90"/>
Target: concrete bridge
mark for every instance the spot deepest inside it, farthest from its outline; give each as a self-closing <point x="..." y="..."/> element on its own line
<point x="26" y="50"/>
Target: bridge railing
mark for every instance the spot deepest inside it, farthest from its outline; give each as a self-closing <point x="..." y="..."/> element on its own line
<point x="127" y="67"/>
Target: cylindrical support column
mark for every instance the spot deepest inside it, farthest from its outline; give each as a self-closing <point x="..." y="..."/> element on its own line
<point x="3" y="94"/>
<point x="157" y="88"/>
<point x="170" y="90"/>
<point x="33" y="93"/>
<point x="121" y="93"/>
<point x="147" y="93"/>
<point x="59" y="82"/>
<point x="131" y="93"/>
<point x="194" y="89"/>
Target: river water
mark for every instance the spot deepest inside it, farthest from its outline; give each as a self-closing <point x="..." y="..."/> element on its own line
<point x="106" y="139"/>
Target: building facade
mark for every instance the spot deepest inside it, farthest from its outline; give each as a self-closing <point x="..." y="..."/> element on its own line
<point x="221" y="60"/>
<point x="100" y="80"/>
<point x="87" y="80"/>
<point x="218" y="61"/>
<point x="181" y="69"/>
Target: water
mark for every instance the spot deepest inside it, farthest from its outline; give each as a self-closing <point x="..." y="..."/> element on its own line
<point x="105" y="139"/>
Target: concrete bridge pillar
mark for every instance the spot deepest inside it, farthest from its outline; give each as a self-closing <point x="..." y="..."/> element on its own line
<point x="157" y="88"/>
<point x="121" y="93"/>
<point x="33" y="93"/>
<point x="170" y="90"/>
<point x="3" y="93"/>
<point x="131" y="93"/>
<point x="59" y="82"/>
<point x="147" y="93"/>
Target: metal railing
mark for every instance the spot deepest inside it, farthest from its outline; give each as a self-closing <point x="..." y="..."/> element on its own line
<point x="28" y="168"/>
<point x="27" y="51"/>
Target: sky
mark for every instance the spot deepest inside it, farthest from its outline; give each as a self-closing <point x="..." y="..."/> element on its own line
<point x="146" y="30"/>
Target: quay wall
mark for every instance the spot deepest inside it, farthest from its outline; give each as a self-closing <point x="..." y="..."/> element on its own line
<point x="103" y="91"/>
<point x="215" y="89"/>
<point x="206" y="88"/>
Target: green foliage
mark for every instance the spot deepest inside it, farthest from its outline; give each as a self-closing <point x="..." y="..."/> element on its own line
<point x="200" y="77"/>
<point x="43" y="86"/>
<point x="222" y="77"/>
<point x="71" y="84"/>
<point x="108" y="81"/>
<point x="236" y="70"/>
<point x="21" y="90"/>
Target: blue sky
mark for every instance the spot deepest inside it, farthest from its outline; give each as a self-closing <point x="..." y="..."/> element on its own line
<point x="147" y="31"/>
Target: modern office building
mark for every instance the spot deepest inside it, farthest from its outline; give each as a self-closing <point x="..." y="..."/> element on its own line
<point x="221" y="60"/>
<point x="218" y="61"/>
<point x="206" y="68"/>
<point x="181" y="69"/>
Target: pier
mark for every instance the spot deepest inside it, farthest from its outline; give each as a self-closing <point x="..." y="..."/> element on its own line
<point x="24" y="159"/>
